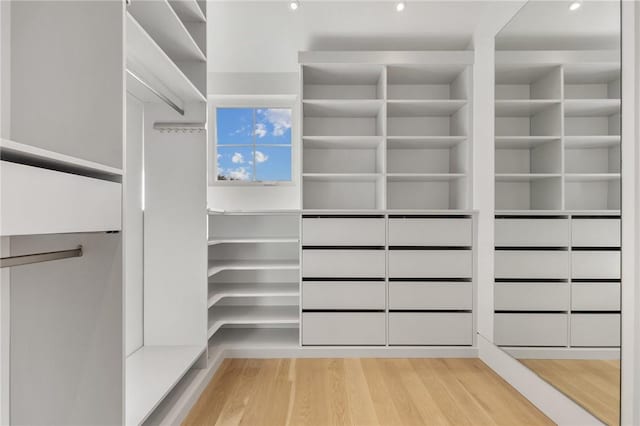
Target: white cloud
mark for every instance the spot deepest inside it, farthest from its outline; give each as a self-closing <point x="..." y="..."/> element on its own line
<point x="279" y="118"/>
<point x="239" y="174"/>
<point x="261" y="130"/>
<point x="237" y="158"/>
<point x="261" y="157"/>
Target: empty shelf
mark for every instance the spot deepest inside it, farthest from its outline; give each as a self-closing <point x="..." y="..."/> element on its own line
<point x="342" y="108"/>
<point x="249" y="265"/>
<point x="151" y="373"/>
<point x="163" y="24"/>
<point x="341" y="142"/>
<point x="424" y="177"/>
<point x="591" y="141"/>
<point x="31" y="155"/>
<point x="255" y="338"/>
<point x="148" y="61"/>
<point x="221" y="291"/>
<point x="522" y="107"/>
<point x="419" y="142"/>
<point x="524" y="177"/>
<point x="349" y="177"/>
<point x="262" y="240"/>
<point x="591" y="107"/>
<point x="252" y="315"/>
<point x="188" y="10"/>
<point x="421" y="108"/>
<point x="523" y="142"/>
<point x="591" y="177"/>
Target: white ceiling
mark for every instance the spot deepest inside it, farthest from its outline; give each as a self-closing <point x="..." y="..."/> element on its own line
<point x="265" y="36"/>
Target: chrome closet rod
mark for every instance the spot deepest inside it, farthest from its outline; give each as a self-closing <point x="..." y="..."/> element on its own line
<point x="162" y="97"/>
<point x="26" y="259"/>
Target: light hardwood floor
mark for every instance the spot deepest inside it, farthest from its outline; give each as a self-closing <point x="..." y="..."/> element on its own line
<point x="388" y="392"/>
<point x="594" y="384"/>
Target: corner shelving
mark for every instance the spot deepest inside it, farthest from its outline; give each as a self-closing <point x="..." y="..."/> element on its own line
<point x="216" y="267"/>
<point x="242" y="290"/>
<point x="220" y="316"/>
<point x="188" y="10"/>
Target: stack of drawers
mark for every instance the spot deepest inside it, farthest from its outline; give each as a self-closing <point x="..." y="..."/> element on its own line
<point x="347" y="262"/>
<point x="557" y="281"/>
<point x="343" y="280"/>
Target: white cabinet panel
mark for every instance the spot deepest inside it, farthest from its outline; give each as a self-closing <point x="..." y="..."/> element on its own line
<point x="595" y="296"/>
<point x="430" y="232"/>
<point x="430" y="263"/>
<point x="40" y="201"/>
<point x="430" y="295"/>
<point x="343" y="263"/>
<point x="595" y="264"/>
<point x="532" y="296"/>
<point x="430" y="328"/>
<point x="343" y="328"/>
<point x="531" y="329"/>
<point x="343" y="295"/>
<point x="531" y="264"/>
<point x="532" y="232"/>
<point x="343" y="231"/>
<point x="595" y="330"/>
<point x="595" y="232"/>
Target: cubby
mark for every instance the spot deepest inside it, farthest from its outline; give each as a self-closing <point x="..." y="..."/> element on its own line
<point x="528" y="82"/>
<point x="528" y="156"/>
<point x="343" y="155"/>
<point x="340" y="81"/>
<point x="427" y="192"/>
<point x="428" y="82"/>
<point x="528" y="192"/>
<point x="427" y="118"/>
<point x="592" y="192"/>
<point x="343" y="191"/>
<point x="343" y="117"/>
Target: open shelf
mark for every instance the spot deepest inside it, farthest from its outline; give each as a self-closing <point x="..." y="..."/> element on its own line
<point x="34" y="156"/>
<point x="219" y="291"/>
<point x="528" y="192"/>
<point x="343" y="191"/>
<point x="591" y="141"/>
<point x="592" y="81"/>
<point x="274" y="240"/>
<point x="269" y="229"/>
<point x="523" y="142"/>
<point x="592" y="192"/>
<point x="360" y="156"/>
<point x="426" y="192"/>
<point x="404" y="120"/>
<point x="338" y="177"/>
<point x="148" y="61"/>
<point x="409" y="157"/>
<point x="528" y="156"/>
<point x="419" y="108"/>
<point x="423" y="142"/>
<point x="527" y="81"/>
<point x="220" y="316"/>
<point x="151" y="373"/>
<point x="255" y="338"/>
<point x="523" y="107"/>
<point x="591" y="107"/>
<point x="188" y="10"/>
<point x="423" y="82"/>
<point x="339" y="81"/>
<point x="216" y="267"/>
<point x="342" y="117"/>
<point x="342" y="142"/>
<point x="592" y="160"/>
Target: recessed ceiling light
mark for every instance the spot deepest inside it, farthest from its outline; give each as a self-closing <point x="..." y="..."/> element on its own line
<point x="400" y="6"/>
<point x="575" y="5"/>
<point x="294" y="5"/>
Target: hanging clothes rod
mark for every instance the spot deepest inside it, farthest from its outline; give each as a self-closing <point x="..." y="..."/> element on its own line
<point x="162" y="97"/>
<point x="26" y="259"/>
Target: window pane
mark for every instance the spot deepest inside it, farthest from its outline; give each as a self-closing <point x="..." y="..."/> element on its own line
<point x="273" y="163"/>
<point x="234" y="126"/>
<point x="273" y="126"/>
<point x="235" y="163"/>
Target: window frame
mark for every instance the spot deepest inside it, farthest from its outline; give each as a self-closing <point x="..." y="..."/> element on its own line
<point x="252" y="102"/>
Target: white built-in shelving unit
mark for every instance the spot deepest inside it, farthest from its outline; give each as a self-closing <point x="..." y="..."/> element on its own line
<point x="380" y="135"/>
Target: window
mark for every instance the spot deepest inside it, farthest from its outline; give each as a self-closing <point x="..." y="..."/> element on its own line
<point x="253" y="144"/>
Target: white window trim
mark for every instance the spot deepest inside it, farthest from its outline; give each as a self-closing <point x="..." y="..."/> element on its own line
<point x="244" y="101"/>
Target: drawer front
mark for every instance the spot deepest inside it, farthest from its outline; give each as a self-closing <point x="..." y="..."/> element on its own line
<point x="430" y="295"/>
<point x="595" y="296"/>
<point x="343" y="328"/>
<point x="430" y="264"/>
<point x="532" y="232"/>
<point x="343" y="231"/>
<point x="430" y="328"/>
<point x="532" y="296"/>
<point x="531" y="329"/>
<point x="40" y="201"/>
<point x="595" y="264"/>
<point x="430" y="232"/>
<point x="343" y="263"/>
<point x="343" y="295"/>
<point x="595" y="330"/>
<point x="531" y="264"/>
<point x="595" y="232"/>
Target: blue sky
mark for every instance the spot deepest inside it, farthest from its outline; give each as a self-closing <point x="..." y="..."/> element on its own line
<point x="267" y="127"/>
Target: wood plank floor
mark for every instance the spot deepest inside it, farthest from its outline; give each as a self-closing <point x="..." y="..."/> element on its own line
<point x="594" y="384"/>
<point x="367" y="392"/>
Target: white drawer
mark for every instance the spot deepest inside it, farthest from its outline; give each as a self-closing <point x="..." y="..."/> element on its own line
<point x="595" y="264"/>
<point x="343" y="328"/>
<point x="595" y="296"/>
<point x="531" y="264"/>
<point x="430" y="264"/>
<point x="343" y="263"/>
<point x="595" y="330"/>
<point x="595" y="232"/>
<point x="343" y="295"/>
<point x="40" y="201"/>
<point x="430" y="232"/>
<point x="532" y="232"/>
<point x="531" y="329"/>
<point x="343" y="231"/>
<point x="531" y="296"/>
<point x="430" y="328"/>
<point x="430" y="295"/>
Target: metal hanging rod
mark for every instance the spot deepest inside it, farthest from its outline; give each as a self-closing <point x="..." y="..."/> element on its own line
<point x="26" y="259"/>
<point x="162" y="97"/>
<point x="180" y="127"/>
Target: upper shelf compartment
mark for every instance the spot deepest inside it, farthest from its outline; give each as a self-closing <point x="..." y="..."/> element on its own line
<point x="340" y="81"/>
<point x="188" y="10"/>
<point x="428" y="82"/>
<point x="147" y="61"/>
<point x="528" y="81"/>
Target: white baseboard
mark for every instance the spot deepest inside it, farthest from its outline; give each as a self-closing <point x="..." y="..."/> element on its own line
<point x="553" y="403"/>
<point x="563" y="353"/>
